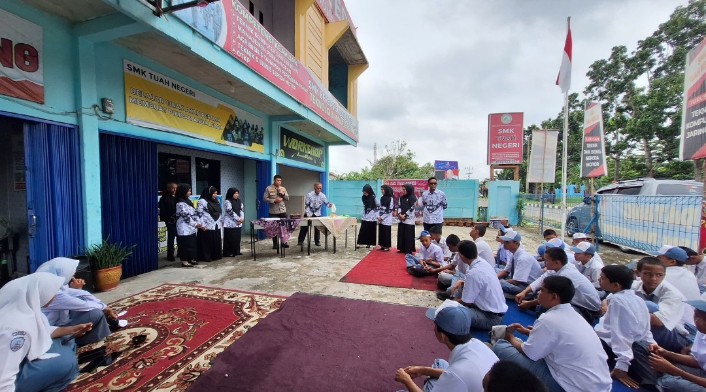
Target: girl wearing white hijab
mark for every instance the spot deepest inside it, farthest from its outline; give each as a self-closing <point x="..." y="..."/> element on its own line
<point x="32" y="357"/>
<point x="73" y="306"/>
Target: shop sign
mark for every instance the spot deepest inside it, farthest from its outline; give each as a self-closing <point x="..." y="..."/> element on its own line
<point x="298" y="148"/>
<point x="21" y="55"/>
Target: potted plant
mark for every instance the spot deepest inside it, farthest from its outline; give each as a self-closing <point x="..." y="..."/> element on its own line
<point x="106" y="260"/>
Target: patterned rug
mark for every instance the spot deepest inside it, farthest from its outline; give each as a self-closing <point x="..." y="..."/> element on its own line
<point x="186" y="328"/>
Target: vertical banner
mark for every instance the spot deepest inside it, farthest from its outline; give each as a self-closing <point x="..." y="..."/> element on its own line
<point x="21" y="55"/>
<point x="593" y="162"/>
<point x="693" y="126"/>
<point x="505" y="138"/>
<point x="542" y="164"/>
<point x="446" y="170"/>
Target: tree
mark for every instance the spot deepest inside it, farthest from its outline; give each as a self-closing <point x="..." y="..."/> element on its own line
<point x="397" y="162"/>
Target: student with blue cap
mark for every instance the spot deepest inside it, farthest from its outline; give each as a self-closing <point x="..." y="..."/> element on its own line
<point x="521" y="270"/>
<point x="673" y="258"/>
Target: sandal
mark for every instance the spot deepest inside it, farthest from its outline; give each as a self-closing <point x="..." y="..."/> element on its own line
<point x="186" y="264"/>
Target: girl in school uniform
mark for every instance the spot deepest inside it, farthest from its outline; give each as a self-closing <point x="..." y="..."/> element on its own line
<point x="232" y="223"/>
<point x="188" y="223"/>
<point x="368" y="225"/>
<point x="209" y="237"/>
<point x="385" y="218"/>
<point x="405" y="213"/>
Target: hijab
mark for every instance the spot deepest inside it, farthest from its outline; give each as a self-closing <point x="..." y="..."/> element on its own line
<point x="214" y="207"/>
<point x="182" y="190"/>
<point x="21" y="302"/>
<point x="236" y="203"/>
<point x="408" y="200"/>
<point x="60" y="266"/>
<point x="368" y="201"/>
<point x="387" y="193"/>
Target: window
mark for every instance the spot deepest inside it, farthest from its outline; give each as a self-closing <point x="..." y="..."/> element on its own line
<point x="630" y="191"/>
<point x="208" y="173"/>
<point x="252" y="9"/>
<point x="262" y="18"/>
<point x="173" y="168"/>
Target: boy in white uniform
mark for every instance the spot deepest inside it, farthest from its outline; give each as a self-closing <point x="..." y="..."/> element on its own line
<point x="684" y="280"/>
<point x="588" y="261"/>
<point x="522" y="270"/>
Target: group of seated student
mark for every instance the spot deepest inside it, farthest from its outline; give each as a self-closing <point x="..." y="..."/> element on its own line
<point x="45" y="317"/>
<point x="643" y="328"/>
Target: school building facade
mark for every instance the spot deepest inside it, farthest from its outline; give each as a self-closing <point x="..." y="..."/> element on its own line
<point x="102" y="102"/>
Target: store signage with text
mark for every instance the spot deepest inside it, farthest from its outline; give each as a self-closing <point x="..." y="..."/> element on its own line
<point x="21" y="56"/>
<point x="300" y="149"/>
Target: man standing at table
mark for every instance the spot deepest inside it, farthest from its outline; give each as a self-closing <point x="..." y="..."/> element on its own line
<point x="313" y="203"/>
<point x="275" y="195"/>
<point x="433" y="205"/>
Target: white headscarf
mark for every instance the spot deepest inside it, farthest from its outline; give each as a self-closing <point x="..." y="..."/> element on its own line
<point x="21" y="302"/>
<point x="60" y="266"/>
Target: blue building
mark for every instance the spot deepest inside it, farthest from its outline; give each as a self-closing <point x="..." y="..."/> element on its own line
<point x="102" y="102"/>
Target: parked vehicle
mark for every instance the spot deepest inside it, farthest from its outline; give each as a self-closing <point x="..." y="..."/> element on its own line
<point x="579" y="217"/>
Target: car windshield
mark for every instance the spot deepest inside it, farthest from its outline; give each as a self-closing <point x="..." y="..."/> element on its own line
<point x="679" y="189"/>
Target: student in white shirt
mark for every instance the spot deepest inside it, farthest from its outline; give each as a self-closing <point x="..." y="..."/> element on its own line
<point x="484" y="251"/>
<point x="439" y="241"/>
<point x="684" y="372"/>
<point x="469" y="361"/>
<point x="585" y="300"/>
<point x="672" y="322"/>
<point x="522" y="270"/>
<point x="481" y="292"/>
<point x="450" y="273"/>
<point x="562" y="349"/>
<point x="697" y="265"/>
<point x="578" y="238"/>
<point x="624" y="329"/>
<point x="588" y="261"/>
<point x="429" y="257"/>
<point x="673" y="259"/>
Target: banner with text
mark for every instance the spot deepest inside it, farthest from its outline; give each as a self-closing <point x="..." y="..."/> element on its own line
<point x="446" y="170"/>
<point x="693" y="126"/>
<point x="300" y="149"/>
<point x="593" y="162"/>
<point x="230" y="26"/>
<point x="419" y="187"/>
<point x="153" y="100"/>
<point x="505" y="138"/>
<point x="21" y="57"/>
<point x="542" y="163"/>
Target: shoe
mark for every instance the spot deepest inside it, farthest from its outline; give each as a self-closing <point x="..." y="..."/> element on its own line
<point x="92" y="354"/>
<point x="318" y="244"/>
<point x="194" y="262"/>
<point x="285" y="245"/>
<point x="385" y="249"/>
<point x="367" y="247"/>
<point x="399" y="251"/>
<point x="186" y="264"/>
<point x="443" y="295"/>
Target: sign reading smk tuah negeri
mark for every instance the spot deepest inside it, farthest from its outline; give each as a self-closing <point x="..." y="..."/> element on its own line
<point x="300" y="149"/>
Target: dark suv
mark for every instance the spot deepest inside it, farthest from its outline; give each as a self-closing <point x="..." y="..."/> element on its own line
<point x="580" y="216"/>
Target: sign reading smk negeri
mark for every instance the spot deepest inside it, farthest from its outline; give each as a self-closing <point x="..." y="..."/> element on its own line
<point x="693" y="126"/>
<point x="542" y="164"/>
<point x="593" y="162"/>
<point x="505" y="138"/>
<point x="300" y="149"/>
<point x="155" y="101"/>
<point x="21" y="56"/>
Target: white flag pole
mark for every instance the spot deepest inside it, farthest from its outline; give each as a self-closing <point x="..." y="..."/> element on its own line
<point x="565" y="149"/>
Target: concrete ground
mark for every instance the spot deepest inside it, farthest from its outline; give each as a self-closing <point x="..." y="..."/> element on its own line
<point x="316" y="274"/>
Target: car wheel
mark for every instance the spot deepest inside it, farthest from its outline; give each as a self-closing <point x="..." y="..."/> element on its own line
<point x="572" y="227"/>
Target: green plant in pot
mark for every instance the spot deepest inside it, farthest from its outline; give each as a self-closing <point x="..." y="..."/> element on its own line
<point x="106" y="260"/>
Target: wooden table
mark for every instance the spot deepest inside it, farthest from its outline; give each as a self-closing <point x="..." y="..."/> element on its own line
<point x="336" y="226"/>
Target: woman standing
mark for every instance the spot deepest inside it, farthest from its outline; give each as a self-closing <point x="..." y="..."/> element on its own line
<point x="232" y="223"/>
<point x="188" y="224"/>
<point x="405" y="213"/>
<point x="209" y="237"/>
<point x="385" y="218"/>
<point x="366" y="235"/>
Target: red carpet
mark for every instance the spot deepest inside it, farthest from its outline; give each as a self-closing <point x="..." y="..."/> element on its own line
<point x="387" y="269"/>
<point x="319" y="343"/>
<point x="186" y="327"/>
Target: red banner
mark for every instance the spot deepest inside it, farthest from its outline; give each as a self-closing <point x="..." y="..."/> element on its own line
<point x="230" y="25"/>
<point x="505" y="138"/>
<point x="693" y="127"/>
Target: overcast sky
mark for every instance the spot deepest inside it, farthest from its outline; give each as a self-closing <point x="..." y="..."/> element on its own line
<point x="438" y="68"/>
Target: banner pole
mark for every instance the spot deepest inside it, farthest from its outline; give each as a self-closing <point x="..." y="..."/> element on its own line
<point x="565" y="149"/>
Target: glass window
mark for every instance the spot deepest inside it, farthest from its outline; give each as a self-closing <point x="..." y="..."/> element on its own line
<point x="208" y="173"/>
<point x="678" y="189"/>
<point x="173" y="168"/>
<point x="629" y="191"/>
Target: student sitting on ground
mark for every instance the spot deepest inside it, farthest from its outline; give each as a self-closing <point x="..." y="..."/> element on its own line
<point x="481" y="292"/>
<point x="671" y="321"/>
<point x="588" y="262"/>
<point x="585" y="300"/>
<point x="684" y="280"/>
<point x="522" y="270"/>
<point x="558" y="243"/>
<point x="439" y="241"/>
<point x="502" y="256"/>
<point x="549" y="234"/>
<point x="469" y="361"/>
<point x="506" y="376"/>
<point x="684" y="372"/>
<point x="429" y="257"/>
<point x="562" y="350"/>
<point x="697" y="265"/>
<point x="484" y="252"/>
<point x="451" y="273"/>
<point x="578" y="238"/>
<point x="624" y="329"/>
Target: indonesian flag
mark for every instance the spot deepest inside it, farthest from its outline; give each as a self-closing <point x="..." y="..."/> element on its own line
<point x="563" y="80"/>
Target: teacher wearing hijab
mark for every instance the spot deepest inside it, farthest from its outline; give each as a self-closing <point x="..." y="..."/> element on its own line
<point x="209" y="236"/>
<point x="232" y="223"/>
<point x="368" y="224"/>
<point x="406" y="216"/>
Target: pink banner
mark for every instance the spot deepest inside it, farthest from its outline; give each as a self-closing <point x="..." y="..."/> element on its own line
<point x="419" y="187"/>
<point x="505" y="138"/>
<point x="231" y="26"/>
